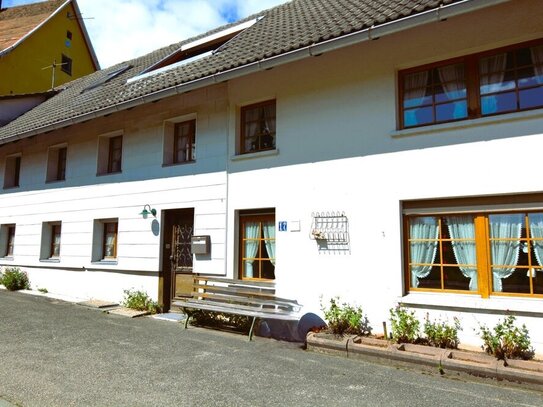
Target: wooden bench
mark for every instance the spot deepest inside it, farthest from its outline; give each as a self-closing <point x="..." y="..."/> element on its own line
<point x="254" y="299"/>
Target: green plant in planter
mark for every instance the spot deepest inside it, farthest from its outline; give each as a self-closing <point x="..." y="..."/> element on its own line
<point x="15" y="279"/>
<point x="405" y="325"/>
<point x="507" y="341"/>
<point x="140" y="301"/>
<point x="441" y="334"/>
<point x="345" y="318"/>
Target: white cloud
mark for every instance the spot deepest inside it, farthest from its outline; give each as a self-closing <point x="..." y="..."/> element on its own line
<point x="123" y="29"/>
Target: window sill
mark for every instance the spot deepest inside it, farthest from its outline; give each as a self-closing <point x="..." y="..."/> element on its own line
<point x="50" y="260"/>
<point x="7" y="258"/>
<point x="55" y="181"/>
<point x="482" y="121"/>
<point x="259" y="154"/>
<point x="103" y="174"/>
<point x="176" y="164"/>
<point x="474" y="303"/>
<point x="106" y="262"/>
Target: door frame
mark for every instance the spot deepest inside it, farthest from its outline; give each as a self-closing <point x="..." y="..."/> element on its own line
<point x="170" y="217"/>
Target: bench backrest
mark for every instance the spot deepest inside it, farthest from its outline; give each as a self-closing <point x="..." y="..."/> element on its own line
<point x="241" y="293"/>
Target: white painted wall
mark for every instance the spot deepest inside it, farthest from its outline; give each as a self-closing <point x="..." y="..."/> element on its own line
<point x="85" y="197"/>
<point x="337" y="150"/>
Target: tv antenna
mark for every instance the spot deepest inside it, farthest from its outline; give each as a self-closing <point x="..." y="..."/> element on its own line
<point x="71" y="16"/>
<point x="53" y="69"/>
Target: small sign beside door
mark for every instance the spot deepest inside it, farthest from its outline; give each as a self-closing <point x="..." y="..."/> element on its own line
<point x="282" y="226"/>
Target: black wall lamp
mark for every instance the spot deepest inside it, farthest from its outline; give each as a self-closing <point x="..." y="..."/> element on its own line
<point x="147" y="210"/>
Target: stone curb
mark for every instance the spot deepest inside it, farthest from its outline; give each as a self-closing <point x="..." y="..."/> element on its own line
<point x="445" y="362"/>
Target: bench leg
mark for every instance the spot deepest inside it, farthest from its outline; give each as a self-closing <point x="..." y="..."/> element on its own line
<point x="252" y="328"/>
<point x="187" y="320"/>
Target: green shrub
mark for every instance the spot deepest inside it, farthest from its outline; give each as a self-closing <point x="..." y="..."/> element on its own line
<point x="345" y="318"/>
<point x="239" y="323"/>
<point x="139" y="300"/>
<point x="405" y="325"/>
<point x="507" y="341"/>
<point x="441" y="334"/>
<point x="15" y="279"/>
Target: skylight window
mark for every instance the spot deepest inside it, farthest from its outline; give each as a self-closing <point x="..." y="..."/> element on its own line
<point x="195" y="50"/>
<point x="107" y="78"/>
<point x="168" y="67"/>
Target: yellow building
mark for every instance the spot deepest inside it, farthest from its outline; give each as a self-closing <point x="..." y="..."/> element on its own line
<point x="43" y="45"/>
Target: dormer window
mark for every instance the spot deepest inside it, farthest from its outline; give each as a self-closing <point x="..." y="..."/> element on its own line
<point x="194" y="50"/>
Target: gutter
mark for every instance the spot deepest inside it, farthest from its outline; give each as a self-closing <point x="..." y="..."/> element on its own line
<point x="435" y="15"/>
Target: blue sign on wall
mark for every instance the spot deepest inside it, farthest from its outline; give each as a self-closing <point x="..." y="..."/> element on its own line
<point x="282" y="226"/>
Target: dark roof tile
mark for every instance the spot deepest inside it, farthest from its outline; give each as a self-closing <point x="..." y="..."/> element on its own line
<point x="281" y="29"/>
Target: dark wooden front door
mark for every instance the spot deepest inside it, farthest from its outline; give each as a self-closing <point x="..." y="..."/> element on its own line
<point x="177" y="255"/>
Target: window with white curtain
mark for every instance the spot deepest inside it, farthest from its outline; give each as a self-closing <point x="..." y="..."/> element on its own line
<point x="105" y="240"/>
<point x="257" y="127"/>
<point x="257" y="245"/>
<point x="480" y="253"/>
<point x="500" y="81"/>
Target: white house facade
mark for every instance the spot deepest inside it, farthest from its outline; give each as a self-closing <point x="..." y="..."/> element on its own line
<point x="392" y="157"/>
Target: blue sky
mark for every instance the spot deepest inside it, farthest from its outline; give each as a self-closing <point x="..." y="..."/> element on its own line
<point x="123" y="29"/>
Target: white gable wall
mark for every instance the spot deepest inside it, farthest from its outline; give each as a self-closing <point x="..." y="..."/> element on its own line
<point x="338" y="150"/>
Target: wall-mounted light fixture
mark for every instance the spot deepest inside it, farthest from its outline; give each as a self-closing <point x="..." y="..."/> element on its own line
<point x="147" y="210"/>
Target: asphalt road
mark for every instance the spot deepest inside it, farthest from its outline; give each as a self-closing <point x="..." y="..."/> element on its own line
<point x="54" y="353"/>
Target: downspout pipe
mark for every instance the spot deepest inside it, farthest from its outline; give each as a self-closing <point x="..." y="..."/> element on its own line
<point x="435" y="15"/>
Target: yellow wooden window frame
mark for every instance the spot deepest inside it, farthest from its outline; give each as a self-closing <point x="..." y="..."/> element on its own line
<point x="260" y="219"/>
<point x="483" y="249"/>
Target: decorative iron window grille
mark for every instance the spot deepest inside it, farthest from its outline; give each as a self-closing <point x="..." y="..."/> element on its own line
<point x="333" y="227"/>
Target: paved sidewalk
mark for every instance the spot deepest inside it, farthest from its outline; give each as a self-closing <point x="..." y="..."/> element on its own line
<point x="5" y="403"/>
<point x="54" y="353"/>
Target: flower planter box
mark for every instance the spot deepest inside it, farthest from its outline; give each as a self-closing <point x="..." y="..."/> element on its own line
<point x="527" y="374"/>
<point x="472" y="363"/>
<point x="369" y="341"/>
<point x="368" y="348"/>
<point x="426" y="357"/>
<point x="327" y="343"/>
